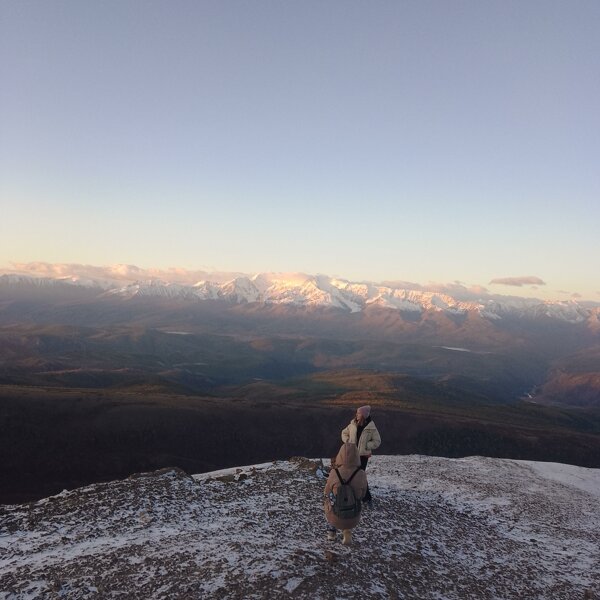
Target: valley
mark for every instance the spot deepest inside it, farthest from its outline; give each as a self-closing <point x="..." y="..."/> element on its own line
<point x="93" y="388"/>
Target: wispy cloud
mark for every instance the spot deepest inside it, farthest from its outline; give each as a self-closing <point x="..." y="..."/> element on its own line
<point x="403" y="285"/>
<point x="119" y="272"/>
<point x="518" y="281"/>
<point x="573" y="295"/>
<point x="457" y="289"/>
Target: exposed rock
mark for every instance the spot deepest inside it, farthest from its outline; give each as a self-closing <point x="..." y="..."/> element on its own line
<point x="307" y="464"/>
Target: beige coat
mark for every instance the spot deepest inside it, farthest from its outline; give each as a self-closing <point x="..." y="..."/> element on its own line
<point x="369" y="440"/>
<point x="347" y="461"/>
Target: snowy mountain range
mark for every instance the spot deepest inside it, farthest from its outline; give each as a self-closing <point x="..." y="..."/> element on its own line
<point x="302" y="290"/>
<point x="439" y="528"/>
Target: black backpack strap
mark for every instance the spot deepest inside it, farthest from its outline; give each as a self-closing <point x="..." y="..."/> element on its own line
<point x="353" y="474"/>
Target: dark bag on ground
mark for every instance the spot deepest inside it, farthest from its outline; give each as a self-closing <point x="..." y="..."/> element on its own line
<point x="346" y="505"/>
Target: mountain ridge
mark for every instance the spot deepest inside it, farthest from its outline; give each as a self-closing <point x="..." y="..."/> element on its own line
<point x="319" y="291"/>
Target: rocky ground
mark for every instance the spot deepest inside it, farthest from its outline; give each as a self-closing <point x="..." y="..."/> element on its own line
<point x="439" y="528"/>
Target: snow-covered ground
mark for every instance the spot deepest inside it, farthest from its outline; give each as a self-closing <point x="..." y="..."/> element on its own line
<point x="439" y="528"/>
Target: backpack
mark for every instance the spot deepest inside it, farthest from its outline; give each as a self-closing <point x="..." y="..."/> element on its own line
<point x="346" y="505"/>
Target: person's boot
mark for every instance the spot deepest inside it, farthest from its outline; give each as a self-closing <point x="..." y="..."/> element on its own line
<point x="331" y="535"/>
<point x="347" y="540"/>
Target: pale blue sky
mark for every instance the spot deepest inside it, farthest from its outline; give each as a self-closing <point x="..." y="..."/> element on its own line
<point x="419" y="141"/>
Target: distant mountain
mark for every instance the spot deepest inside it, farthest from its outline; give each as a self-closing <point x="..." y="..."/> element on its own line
<point x="439" y="528"/>
<point x="573" y="380"/>
<point x="507" y="347"/>
<point x="320" y="291"/>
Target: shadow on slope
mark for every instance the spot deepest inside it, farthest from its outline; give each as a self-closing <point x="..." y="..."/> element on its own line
<point x="63" y="438"/>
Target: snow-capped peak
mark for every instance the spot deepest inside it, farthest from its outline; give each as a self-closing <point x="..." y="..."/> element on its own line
<point x="301" y="289"/>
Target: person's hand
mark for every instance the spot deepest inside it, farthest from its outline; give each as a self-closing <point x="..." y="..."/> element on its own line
<point x="369" y="454"/>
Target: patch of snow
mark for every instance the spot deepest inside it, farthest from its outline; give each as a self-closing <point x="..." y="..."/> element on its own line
<point x="439" y="528"/>
<point x="581" y="478"/>
<point x="456" y="349"/>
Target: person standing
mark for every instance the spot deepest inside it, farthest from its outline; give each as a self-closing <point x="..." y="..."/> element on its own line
<point x="363" y="432"/>
<point x="345" y="469"/>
